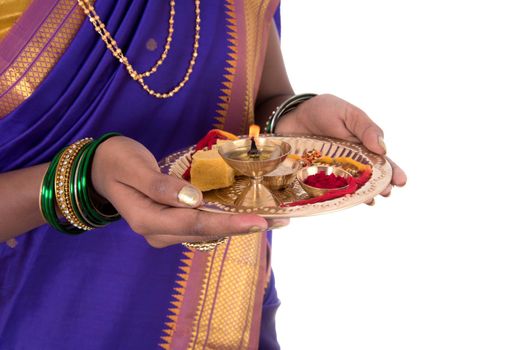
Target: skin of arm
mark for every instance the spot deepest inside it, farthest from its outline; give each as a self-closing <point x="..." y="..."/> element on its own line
<point x="20" y="192"/>
<point x="20" y="189"/>
<point x="275" y="87"/>
<point x="149" y="202"/>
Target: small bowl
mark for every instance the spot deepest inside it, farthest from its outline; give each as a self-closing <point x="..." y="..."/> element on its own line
<point x="276" y="181"/>
<point x="312" y="170"/>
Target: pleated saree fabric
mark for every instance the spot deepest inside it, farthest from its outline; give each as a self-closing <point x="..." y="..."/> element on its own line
<point x="107" y="288"/>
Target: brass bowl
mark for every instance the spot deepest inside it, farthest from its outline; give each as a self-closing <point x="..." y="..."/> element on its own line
<point x="280" y="182"/>
<point x="254" y="167"/>
<point x="312" y="170"/>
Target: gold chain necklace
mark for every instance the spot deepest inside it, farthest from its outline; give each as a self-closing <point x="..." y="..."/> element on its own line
<point x="119" y="55"/>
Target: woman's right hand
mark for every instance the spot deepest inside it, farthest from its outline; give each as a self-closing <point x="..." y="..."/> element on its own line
<point x="157" y="206"/>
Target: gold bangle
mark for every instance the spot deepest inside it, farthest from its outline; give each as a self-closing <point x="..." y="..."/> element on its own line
<point x="63" y="174"/>
<point x="205" y="246"/>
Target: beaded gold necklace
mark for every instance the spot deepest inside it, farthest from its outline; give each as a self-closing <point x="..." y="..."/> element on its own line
<point x="112" y="45"/>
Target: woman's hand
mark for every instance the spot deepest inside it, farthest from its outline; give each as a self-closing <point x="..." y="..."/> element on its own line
<point x="158" y="206"/>
<point x="328" y="115"/>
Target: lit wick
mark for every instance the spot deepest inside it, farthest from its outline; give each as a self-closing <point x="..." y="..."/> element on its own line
<point x="253" y="151"/>
<point x="254" y="131"/>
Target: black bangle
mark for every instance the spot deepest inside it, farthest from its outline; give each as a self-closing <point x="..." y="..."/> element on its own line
<point x="286" y="106"/>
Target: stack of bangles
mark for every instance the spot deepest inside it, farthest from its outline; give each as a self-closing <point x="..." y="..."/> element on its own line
<point x="285" y="107"/>
<point x="67" y="186"/>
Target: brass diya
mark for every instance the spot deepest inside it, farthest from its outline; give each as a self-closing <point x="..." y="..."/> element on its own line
<point x="255" y="157"/>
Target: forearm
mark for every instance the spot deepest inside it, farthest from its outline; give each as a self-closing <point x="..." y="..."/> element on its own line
<point x="20" y="193"/>
<point x="274" y="85"/>
<point x="263" y="110"/>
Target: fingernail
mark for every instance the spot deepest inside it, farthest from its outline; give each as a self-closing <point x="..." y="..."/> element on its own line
<point x="255" y="229"/>
<point x="189" y="196"/>
<point x="382" y="144"/>
<point x="279" y="223"/>
<point x="275" y="226"/>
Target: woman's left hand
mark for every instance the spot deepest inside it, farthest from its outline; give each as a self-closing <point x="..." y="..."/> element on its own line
<point x="328" y="115"/>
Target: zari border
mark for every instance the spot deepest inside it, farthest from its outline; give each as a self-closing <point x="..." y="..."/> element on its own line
<point x="231" y="65"/>
<point x="27" y="57"/>
<point x="257" y="28"/>
<point x="253" y="19"/>
<point x="218" y="298"/>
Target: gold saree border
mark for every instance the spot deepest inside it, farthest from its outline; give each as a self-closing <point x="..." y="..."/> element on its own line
<point x="255" y="13"/>
<point x="177" y="299"/>
<point x="252" y="19"/>
<point x="39" y="55"/>
<point x="218" y="306"/>
<point x="231" y="66"/>
<point x="224" y="308"/>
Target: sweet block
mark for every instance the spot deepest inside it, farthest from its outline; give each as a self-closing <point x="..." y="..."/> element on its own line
<point x="207" y="142"/>
<point x="209" y="171"/>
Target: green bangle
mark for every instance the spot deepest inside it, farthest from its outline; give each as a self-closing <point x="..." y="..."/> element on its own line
<point x="89" y="212"/>
<point x="285" y="107"/>
<point x="80" y="192"/>
<point x="85" y="187"/>
<point x="75" y="188"/>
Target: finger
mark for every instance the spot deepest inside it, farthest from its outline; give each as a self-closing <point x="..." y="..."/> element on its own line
<point x="387" y="191"/>
<point x="166" y="189"/>
<point x="371" y="202"/>
<point x="277" y="223"/>
<point x="192" y="222"/>
<point x="399" y="176"/>
<point x="162" y="241"/>
<point x="148" y="217"/>
<point x="369" y="133"/>
<point x="199" y="223"/>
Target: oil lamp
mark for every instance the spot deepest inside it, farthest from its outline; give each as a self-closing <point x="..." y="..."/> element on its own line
<point x="254" y="157"/>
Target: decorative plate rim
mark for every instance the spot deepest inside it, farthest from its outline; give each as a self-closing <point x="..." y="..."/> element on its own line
<point x="380" y="179"/>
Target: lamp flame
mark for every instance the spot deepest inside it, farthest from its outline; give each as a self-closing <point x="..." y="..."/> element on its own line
<point x="254" y="131"/>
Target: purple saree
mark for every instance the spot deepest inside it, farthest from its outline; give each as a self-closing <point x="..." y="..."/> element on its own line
<point x="108" y="289"/>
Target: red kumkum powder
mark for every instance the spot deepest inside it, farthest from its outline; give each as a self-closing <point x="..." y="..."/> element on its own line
<point x="321" y="180"/>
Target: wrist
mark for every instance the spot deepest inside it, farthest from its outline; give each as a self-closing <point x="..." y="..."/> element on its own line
<point x="68" y="184"/>
<point x="101" y="166"/>
<point x="288" y="124"/>
<point x="285" y="108"/>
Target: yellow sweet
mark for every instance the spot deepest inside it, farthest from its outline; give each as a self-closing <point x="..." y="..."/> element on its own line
<point x="215" y="147"/>
<point x="209" y="171"/>
<point x="354" y="163"/>
<point x="324" y="160"/>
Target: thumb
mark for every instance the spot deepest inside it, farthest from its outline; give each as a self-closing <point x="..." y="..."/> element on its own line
<point x="169" y="190"/>
<point x="369" y="133"/>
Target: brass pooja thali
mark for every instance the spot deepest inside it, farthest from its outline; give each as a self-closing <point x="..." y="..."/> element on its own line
<point x="223" y="200"/>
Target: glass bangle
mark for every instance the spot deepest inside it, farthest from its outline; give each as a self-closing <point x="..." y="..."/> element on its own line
<point x="285" y="107"/>
<point x="74" y="188"/>
<point x="86" y="187"/>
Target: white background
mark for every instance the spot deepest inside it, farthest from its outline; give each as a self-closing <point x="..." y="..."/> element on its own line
<point x="439" y="264"/>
